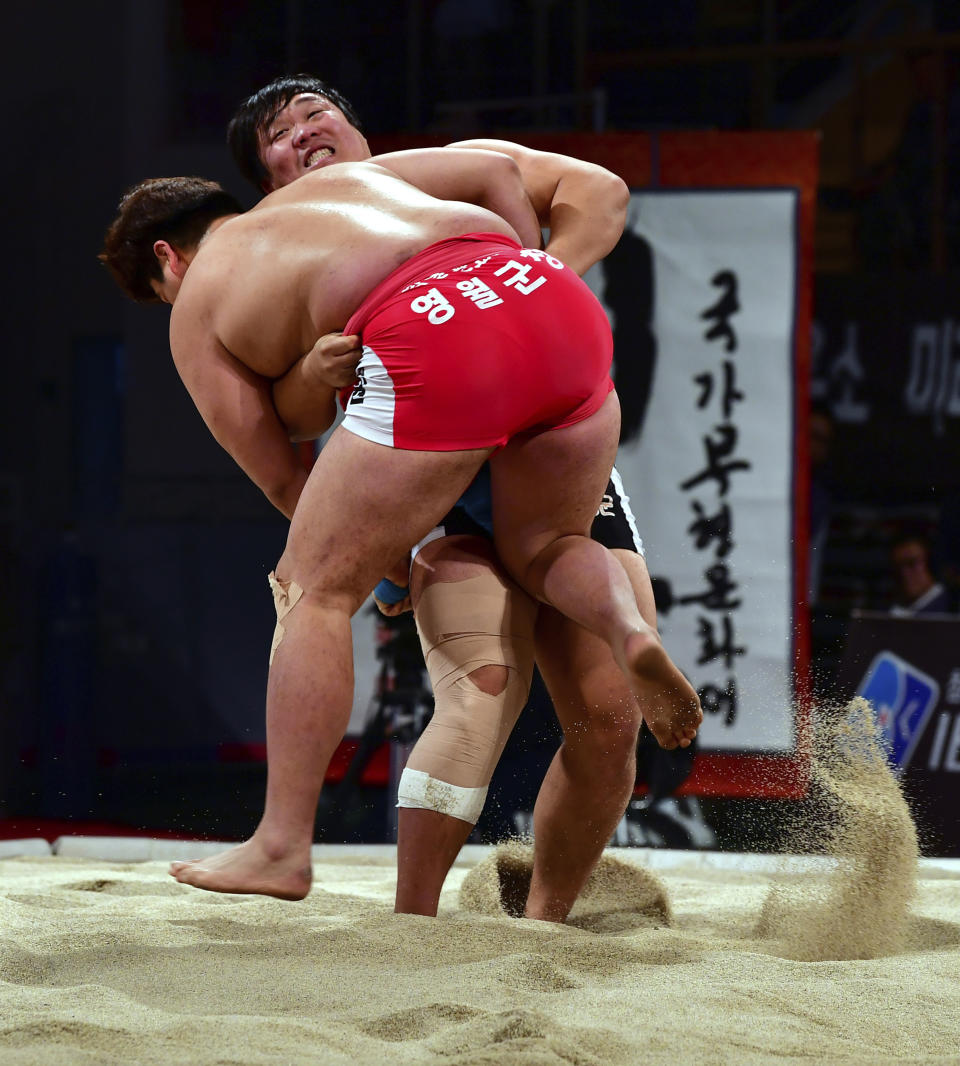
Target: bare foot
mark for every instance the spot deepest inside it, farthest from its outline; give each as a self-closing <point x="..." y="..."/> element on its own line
<point x="670" y="705"/>
<point x="248" y="869"/>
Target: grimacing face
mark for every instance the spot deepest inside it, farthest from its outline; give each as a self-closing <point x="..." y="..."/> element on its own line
<point x="307" y="134"/>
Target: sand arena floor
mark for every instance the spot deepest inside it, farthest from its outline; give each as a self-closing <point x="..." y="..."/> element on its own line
<point x="668" y="958"/>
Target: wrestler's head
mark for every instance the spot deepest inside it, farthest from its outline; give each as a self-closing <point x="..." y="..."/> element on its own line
<point x="159" y="225"/>
<point x="291" y="126"/>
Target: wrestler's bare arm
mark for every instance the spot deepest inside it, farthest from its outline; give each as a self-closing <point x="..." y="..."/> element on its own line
<point x="237" y="406"/>
<point x="583" y="205"/>
<point x="487" y="179"/>
<point x="305" y="398"/>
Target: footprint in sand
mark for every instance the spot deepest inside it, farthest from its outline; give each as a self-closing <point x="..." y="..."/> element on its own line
<point x="419" y="1022"/>
<point x="45" y="1035"/>
<point x="508" y="1036"/>
<point x="534" y="972"/>
<point x="51" y="902"/>
<point x="100" y="885"/>
<point x="226" y="929"/>
<point x="494" y="1029"/>
<point x="126" y="888"/>
<point x="21" y="967"/>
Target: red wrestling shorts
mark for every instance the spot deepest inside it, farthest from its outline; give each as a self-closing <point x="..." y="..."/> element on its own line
<point x="474" y="341"/>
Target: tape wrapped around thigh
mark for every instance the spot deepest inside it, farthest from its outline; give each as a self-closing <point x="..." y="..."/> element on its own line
<point x="465" y="625"/>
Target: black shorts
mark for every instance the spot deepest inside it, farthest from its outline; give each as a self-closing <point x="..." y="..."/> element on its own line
<point x="615" y="526"/>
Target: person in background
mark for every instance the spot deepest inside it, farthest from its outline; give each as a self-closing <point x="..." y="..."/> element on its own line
<point x="918" y="592"/>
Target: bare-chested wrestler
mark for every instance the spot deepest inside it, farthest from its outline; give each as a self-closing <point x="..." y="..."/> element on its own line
<point x="476" y="626"/>
<point x="474" y="348"/>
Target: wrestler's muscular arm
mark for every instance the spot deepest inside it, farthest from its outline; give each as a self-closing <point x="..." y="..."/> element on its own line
<point x="583" y="205"/>
<point x="488" y="179"/>
<point x="305" y="398"/>
<point x="237" y="406"/>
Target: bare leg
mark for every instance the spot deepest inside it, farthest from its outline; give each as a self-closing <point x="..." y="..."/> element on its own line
<point x="428" y="842"/>
<point x="545" y="493"/>
<point x="591" y="779"/>
<point x="335" y="553"/>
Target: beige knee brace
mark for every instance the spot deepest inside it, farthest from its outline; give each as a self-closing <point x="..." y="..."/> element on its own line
<point x="464" y="625"/>
<point x="285" y="597"/>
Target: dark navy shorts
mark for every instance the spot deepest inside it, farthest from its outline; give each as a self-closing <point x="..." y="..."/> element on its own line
<point x="614" y="526"/>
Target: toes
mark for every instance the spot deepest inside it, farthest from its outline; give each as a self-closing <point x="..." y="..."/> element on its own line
<point x="184" y="872"/>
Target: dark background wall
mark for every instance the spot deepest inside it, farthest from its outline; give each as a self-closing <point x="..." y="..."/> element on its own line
<point x="134" y="610"/>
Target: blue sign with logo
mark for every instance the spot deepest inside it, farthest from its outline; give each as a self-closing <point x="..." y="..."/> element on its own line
<point x="903" y="698"/>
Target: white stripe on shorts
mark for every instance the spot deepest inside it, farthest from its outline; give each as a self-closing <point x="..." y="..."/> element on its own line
<point x="435" y="534"/>
<point x="370" y="409"/>
<point x="627" y="513"/>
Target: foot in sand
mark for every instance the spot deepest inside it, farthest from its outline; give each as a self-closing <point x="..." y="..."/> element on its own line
<point x="248" y="868"/>
<point x="671" y="707"/>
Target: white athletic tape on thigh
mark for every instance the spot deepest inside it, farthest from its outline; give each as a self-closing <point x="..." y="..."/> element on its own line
<point x="421" y="791"/>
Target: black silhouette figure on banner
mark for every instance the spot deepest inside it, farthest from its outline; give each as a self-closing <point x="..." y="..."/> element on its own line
<point x="628" y="291"/>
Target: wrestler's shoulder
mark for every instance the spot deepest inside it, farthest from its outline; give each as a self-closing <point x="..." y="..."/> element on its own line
<point x="314" y="181"/>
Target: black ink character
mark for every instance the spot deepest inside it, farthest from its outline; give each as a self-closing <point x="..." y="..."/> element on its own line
<point x="706" y="528"/>
<point x="723" y="310"/>
<point x="718" y="449"/>
<point x="711" y="648"/>
<point x="717" y="594"/>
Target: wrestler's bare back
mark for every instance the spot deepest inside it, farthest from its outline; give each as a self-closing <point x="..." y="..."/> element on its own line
<point x="268" y="283"/>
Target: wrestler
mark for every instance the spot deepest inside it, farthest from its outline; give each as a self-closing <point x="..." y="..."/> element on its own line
<point x="478" y="630"/>
<point x="455" y="370"/>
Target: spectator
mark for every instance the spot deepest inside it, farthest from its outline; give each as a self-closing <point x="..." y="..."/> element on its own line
<point x="917" y="590"/>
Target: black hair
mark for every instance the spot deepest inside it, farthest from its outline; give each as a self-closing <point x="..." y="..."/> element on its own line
<point x="256" y="113"/>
